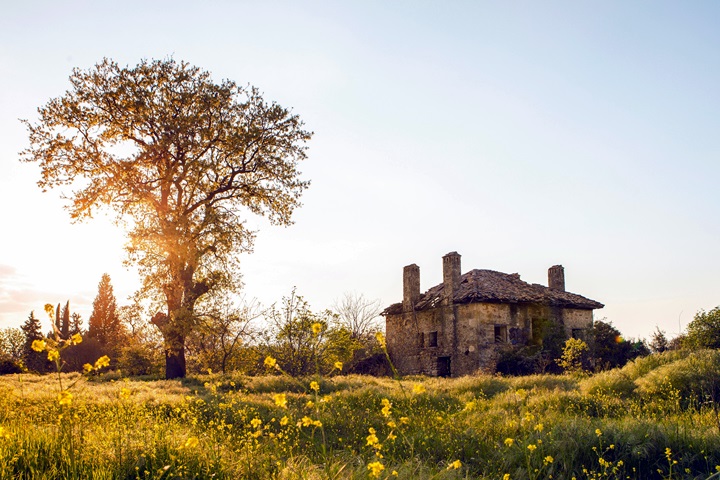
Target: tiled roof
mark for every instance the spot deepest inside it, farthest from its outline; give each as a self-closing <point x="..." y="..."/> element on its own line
<point x="497" y="287"/>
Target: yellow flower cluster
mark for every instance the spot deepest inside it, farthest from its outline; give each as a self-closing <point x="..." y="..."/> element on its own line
<point x="280" y="400"/>
<point x="376" y="469"/>
<point x="270" y="362"/>
<point x="386" y="407"/>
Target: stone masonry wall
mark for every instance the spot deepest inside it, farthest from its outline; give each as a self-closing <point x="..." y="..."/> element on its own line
<point x="466" y="335"/>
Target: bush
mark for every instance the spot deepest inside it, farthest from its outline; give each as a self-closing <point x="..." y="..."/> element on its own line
<point x="9" y="366"/>
<point x="615" y="382"/>
<point x="139" y="360"/>
<point x="695" y="378"/>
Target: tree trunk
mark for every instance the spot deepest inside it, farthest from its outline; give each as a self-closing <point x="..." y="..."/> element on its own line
<point x="174" y="356"/>
<point x="174" y="346"/>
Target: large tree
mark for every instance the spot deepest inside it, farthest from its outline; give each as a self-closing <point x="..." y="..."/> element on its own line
<point x="182" y="159"/>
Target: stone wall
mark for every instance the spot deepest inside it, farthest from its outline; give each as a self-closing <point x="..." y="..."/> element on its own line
<point x="470" y="336"/>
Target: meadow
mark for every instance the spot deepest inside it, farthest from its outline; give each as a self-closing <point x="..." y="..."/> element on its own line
<point x="657" y="417"/>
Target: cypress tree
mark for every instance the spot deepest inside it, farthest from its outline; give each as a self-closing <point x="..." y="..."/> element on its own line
<point x="104" y="323"/>
<point x="65" y="321"/>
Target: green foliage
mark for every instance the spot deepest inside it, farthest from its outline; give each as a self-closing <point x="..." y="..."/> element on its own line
<point x="610" y="349"/>
<point x="704" y="330"/>
<point x="658" y="342"/>
<point x="304" y="342"/>
<point x="136" y="359"/>
<point x="694" y="377"/>
<point x="574" y="355"/>
<point x="12" y="341"/>
<point x="34" y="361"/>
<point x="9" y="366"/>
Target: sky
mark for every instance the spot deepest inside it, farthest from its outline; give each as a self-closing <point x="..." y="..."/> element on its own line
<point x="520" y="134"/>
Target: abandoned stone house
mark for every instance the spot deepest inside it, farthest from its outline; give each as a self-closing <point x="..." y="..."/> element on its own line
<point x="461" y="325"/>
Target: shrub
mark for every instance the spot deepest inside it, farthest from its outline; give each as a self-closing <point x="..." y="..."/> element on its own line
<point x="615" y="382"/>
<point x="9" y="366"/>
<point x="695" y="378"/>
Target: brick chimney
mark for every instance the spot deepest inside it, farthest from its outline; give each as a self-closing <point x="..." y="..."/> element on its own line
<point x="451" y="276"/>
<point x="556" y="278"/>
<point x="411" y="287"/>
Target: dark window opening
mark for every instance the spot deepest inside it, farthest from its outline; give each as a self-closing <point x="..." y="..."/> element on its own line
<point x="500" y="333"/>
<point x="432" y="339"/>
<point x="422" y="340"/>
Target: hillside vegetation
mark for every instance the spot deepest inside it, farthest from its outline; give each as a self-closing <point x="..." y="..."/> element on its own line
<point x="657" y="417"/>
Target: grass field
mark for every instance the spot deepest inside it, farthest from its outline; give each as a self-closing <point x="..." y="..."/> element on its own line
<point x="655" y="418"/>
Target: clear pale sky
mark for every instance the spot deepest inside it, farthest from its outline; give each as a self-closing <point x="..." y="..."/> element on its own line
<point x="520" y="134"/>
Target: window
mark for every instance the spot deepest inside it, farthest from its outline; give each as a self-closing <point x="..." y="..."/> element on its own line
<point x="432" y="339"/>
<point x="500" y="333"/>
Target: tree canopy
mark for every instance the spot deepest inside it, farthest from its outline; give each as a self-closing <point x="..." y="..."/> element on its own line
<point x="182" y="159"/>
<point x="704" y="330"/>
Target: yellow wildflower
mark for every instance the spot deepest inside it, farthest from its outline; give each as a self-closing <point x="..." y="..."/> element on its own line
<point x="455" y="465"/>
<point x="101" y="362"/>
<point x="284" y="420"/>
<point x="509" y="442"/>
<point x="314" y="386"/>
<point x="255" y="422"/>
<point x="53" y="355"/>
<point x="75" y="339"/>
<point x="191" y="442"/>
<point x="38" y="345"/>
<point x="375" y="468"/>
<point x="338" y="366"/>
<point x="306" y="421"/>
<point x="124" y="393"/>
<point x="391" y="437"/>
<point x="65" y="398"/>
<point x="88" y="368"/>
<point x="532" y="447"/>
<point x="404" y="420"/>
<point x="418" y="389"/>
<point x="316" y="327"/>
<point x="598" y="432"/>
<point x="372" y="439"/>
<point x="310" y="404"/>
<point x="548" y="459"/>
<point x="270" y="362"/>
<point x="538" y="427"/>
<point x="280" y="400"/>
<point x="506" y="476"/>
<point x="386" y="407"/>
<point x="381" y="339"/>
<point x="391" y="424"/>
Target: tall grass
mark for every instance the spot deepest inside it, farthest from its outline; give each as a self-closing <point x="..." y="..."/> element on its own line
<point x="650" y="419"/>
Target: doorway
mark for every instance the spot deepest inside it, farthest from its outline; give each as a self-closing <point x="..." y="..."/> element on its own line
<point x="443" y="366"/>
